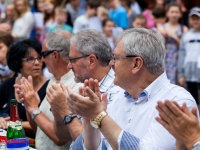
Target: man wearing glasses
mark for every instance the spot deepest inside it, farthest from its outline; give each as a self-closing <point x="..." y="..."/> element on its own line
<point x="129" y="122"/>
<point x="89" y="57"/>
<point x="55" y="54"/>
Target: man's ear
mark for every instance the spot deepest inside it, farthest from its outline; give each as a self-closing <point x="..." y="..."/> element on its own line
<point x="92" y="61"/>
<point x="56" y="56"/>
<point x="137" y="64"/>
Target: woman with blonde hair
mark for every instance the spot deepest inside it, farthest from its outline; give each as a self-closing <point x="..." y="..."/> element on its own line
<point x="24" y="22"/>
<point x="49" y="18"/>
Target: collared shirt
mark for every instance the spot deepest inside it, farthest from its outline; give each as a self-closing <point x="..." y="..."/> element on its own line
<point x="42" y="140"/>
<point x="107" y="85"/>
<point x="137" y="118"/>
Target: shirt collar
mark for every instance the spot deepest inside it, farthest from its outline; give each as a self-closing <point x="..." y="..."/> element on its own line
<point x="150" y="91"/>
<point x="64" y="77"/>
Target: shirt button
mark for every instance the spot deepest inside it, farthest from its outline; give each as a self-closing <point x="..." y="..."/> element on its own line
<point x="129" y="120"/>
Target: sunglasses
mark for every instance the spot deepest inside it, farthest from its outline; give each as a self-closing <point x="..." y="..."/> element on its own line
<point x="46" y="53"/>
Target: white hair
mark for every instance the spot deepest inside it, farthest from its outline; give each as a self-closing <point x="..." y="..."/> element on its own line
<point x="147" y="44"/>
<point x="59" y="40"/>
<point x="90" y="41"/>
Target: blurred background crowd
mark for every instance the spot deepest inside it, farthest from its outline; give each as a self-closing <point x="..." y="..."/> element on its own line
<point x="22" y="19"/>
<point x="24" y="25"/>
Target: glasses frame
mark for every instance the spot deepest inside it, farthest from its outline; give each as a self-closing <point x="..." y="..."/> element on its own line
<point x="39" y="59"/>
<point x="114" y="57"/>
<point x="48" y="52"/>
<point x="72" y="60"/>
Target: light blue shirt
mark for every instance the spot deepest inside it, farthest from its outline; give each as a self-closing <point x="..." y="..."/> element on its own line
<point x="119" y="16"/>
<point x="137" y="118"/>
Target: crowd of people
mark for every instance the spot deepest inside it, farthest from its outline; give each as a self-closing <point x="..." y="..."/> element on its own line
<point x="105" y="74"/>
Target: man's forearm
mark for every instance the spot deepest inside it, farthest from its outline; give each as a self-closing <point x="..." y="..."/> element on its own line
<point x="91" y="136"/>
<point x="111" y="131"/>
<point x="68" y="131"/>
<point x="31" y="122"/>
<point x="47" y="126"/>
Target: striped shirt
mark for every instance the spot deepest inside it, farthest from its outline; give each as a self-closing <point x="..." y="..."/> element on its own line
<point x="107" y="85"/>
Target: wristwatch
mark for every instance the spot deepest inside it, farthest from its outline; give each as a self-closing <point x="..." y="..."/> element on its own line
<point x="69" y="118"/>
<point x="96" y="122"/>
<point x="35" y="113"/>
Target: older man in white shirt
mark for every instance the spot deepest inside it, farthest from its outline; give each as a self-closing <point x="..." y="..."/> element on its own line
<point x="129" y="122"/>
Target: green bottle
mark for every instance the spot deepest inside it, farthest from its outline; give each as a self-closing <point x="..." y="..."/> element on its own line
<point x="15" y="129"/>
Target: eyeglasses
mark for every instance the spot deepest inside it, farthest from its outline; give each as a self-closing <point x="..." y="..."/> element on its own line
<point x="73" y="60"/>
<point x="114" y="57"/>
<point x="32" y="60"/>
<point x="46" y="53"/>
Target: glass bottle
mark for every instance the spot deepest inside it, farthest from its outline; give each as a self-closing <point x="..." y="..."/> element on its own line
<point x="15" y="129"/>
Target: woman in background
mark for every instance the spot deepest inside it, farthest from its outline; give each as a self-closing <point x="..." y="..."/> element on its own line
<point x="49" y="14"/>
<point x="49" y="17"/>
<point x="24" y="22"/>
<point x="173" y="31"/>
<point x="23" y="57"/>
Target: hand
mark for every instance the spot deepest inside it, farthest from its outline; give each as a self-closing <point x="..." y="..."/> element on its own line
<point x="161" y="30"/>
<point x="181" y="81"/>
<point x="56" y="96"/>
<point x="179" y="121"/>
<point x="4" y="122"/>
<point x="27" y="94"/>
<point x="89" y="106"/>
<point x="90" y="83"/>
<point x="173" y="35"/>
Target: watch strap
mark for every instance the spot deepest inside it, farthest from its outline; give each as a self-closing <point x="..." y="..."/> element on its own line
<point x="69" y="118"/>
<point x="99" y="118"/>
<point x="35" y="113"/>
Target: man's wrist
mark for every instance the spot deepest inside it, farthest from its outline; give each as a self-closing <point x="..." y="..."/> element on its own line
<point x="64" y="112"/>
<point x="61" y="114"/>
<point x="30" y="110"/>
<point x="180" y="145"/>
<point x="96" y="113"/>
<point x="190" y="143"/>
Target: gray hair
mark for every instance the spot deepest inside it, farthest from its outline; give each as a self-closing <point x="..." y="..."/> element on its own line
<point x="59" y="40"/>
<point x="89" y="41"/>
<point x="146" y="44"/>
